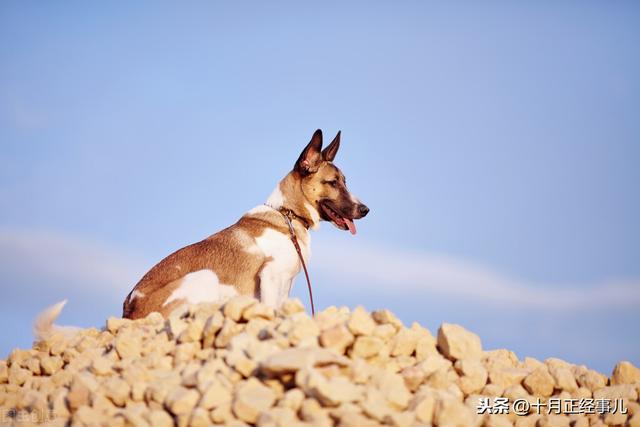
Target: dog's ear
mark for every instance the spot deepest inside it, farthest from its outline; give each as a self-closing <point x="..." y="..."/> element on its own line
<point x="330" y="152"/>
<point x="311" y="156"/>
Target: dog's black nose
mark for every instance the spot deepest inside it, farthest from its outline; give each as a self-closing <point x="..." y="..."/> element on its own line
<point x="363" y="209"/>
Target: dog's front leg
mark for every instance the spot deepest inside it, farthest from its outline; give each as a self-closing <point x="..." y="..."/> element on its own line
<point x="274" y="288"/>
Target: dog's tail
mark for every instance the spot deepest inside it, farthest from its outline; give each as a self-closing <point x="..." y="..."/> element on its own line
<point x="44" y="328"/>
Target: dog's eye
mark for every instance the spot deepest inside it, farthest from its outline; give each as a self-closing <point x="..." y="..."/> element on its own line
<point x="333" y="182"/>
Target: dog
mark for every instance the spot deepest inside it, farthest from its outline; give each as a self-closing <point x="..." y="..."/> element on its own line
<point x="257" y="255"/>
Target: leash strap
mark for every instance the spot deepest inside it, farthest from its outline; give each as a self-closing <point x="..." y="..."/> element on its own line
<point x="294" y="239"/>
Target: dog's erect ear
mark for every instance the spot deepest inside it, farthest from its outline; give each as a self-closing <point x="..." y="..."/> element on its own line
<point x="330" y="152"/>
<point x="311" y="156"/>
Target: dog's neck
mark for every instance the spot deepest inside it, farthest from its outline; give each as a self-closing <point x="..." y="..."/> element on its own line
<point x="288" y="197"/>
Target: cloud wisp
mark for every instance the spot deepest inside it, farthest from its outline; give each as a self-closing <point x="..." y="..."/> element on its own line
<point x="412" y="273"/>
<point x="62" y="261"/>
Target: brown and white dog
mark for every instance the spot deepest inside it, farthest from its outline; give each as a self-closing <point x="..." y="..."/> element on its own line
<point x="256" y="255"/>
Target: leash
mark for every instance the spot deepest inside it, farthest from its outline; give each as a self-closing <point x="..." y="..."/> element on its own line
<point x="287" y="213"/>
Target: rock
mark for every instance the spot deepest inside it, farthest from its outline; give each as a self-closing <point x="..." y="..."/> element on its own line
<point x="450" y="412"/>
<point x="117" y="390"/>
<point x="291" y="306"/>
<point x="337" y="338"/>
<point x="539" y="383"/>
<point x="366" y="346"/>
<point x="332" y="391"/>
<point x="473" y="376"/>
<point x="404" y="343"/>
<point x="564" y="379"/>
<point x="625" y="373"/>
<point x="360" y="322"/>
<point x="127" y="345"/>
<point x="620" y="391"/>
<point x="386" y="317"/>
<point x="455" y="342"/>
<point x="505" y="376"/>
<point x="252" y="398"/>
<point x="234" y="308"/>
<point x="294" y="359"/>
<point x="181" y="400"/>
<point x="102" y="366"/>
<point x="48" y="364"/>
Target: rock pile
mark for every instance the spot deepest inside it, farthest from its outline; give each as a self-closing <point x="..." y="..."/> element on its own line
<point x="242" y="363"/>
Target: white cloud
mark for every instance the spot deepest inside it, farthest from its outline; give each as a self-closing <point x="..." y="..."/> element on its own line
<point x="419" y="273"/>
<point x="67" y="261"/>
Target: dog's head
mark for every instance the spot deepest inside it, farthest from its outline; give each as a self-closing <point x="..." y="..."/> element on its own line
<point x="324" y="185"/>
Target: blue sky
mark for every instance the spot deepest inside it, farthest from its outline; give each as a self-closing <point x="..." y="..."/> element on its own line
<point x="497" y="145"/>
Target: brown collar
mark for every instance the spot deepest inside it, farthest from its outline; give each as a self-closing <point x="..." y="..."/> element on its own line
<point x="291" y="215"/>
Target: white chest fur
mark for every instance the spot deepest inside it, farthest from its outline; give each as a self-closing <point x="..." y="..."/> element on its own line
<point x="277" y="275"/>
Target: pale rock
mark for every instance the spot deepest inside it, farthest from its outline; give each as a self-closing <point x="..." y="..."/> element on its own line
<point x="193" y="332"/>
<point x="621" y="391"/>
<point x="127" y="345"/>
<point x="615" y="419"/>
<point x="504" y="376"/>
<point x="211" y="327"/>
<point x="497" y="420"/>
<point x="500" y="356"/>
<point x="160" y="418"/>
<point x="277" y="417"/>
<point x="78" y="395"/>
<point x="294" y="359"/>
<point x="516" y="392"/>
<point x="360" y="322"/>
<point x="4" y="372"/>
<point x="228" y="331"/>
<point x="366" y="346"/>
<point x="181" y="400"/>
<point x="393" y="389"/>
<point x="450" y="412"/>
<point x="260" y="311"/>
<point x="589" y="378"/>
<point x="102" y="366"/>
<point x="18" y="375"/>
<point x="114" y="324"/>
<point x="423" y="404"/>
<point x="291" y="306"/>
<point x="385" y="331"/>
<point x="199" y="418"/>
<point x="494" y="390"/>
<point x="413" y="376"/>
<point x="554" y="420"/>
<point x="337" y="338"/>
<point x="250" y="399"/>
<point x="215" y="394"/>
<point x="292" y="399"/>
<point x="329" y="391"/>
<point x="234" y="308"/>
<point x="625" y="373"/>
<point x="303" y="328"/>
<point x="434" y="363"/>
<point x="49" y="365"/>
<point x="117" y="390"/>
<point x="531" y="363"/>
<point x="455" y="342"/>
<point x="222" y="414"/>
<point x="387" y="317"/>
<point x="404" y="343"/>
<point x="375" y="404"/>
<point x="184" y="352"/>
<point x="473" y="375"/>
<point x="539" y="383"/>
<point x="564" y="378"/>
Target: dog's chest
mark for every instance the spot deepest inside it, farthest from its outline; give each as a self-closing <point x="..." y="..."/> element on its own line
<point x="279" y="248"/>
<point x="283" y="263"/>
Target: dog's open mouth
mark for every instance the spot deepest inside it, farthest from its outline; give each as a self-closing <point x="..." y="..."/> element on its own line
<point x="339" y="221"/>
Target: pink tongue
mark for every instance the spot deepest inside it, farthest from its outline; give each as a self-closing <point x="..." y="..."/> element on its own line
<point x="351" y="225"/>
